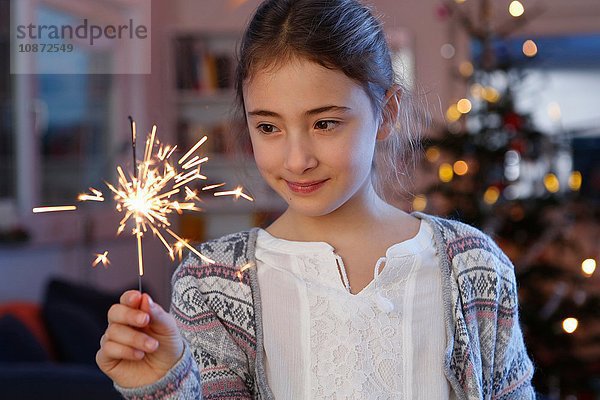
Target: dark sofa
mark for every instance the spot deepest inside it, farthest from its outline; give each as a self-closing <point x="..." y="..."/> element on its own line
<point x="47" y="351"/>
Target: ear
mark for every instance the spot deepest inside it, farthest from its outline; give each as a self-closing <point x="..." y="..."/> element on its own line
<point x="391" y="108"/>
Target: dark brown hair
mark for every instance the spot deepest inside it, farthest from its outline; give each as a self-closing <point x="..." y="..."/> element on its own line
<point x="337" y="34"/>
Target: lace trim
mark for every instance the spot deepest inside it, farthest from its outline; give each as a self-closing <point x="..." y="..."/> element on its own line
<point x="357" y="350"/>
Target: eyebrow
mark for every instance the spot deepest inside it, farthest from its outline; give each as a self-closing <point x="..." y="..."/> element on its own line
<point x="309" y="113"/>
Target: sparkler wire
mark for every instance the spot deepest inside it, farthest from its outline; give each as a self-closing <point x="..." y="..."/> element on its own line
<point x="137" y="223"/>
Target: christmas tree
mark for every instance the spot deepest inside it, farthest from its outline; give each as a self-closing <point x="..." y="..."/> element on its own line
<point x="492" y="167"/>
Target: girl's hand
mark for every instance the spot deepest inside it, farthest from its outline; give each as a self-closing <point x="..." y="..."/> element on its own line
<point x="141" y="344"/>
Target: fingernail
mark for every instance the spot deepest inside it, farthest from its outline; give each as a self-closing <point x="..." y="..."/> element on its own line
<point x="142" y="318"/>
<point x="150" y="301"/>
<point x="138" y="354"/>
<point x="151" y="344"/>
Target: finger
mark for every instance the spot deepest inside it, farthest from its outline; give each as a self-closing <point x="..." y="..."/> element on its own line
<point x="121" y="314"/>
<point x="131" y="298"/>
<point x="112" y="351"/>
<point x="130" y="337"/>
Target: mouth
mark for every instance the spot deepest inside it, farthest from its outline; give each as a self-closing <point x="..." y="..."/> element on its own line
<point x="305" y="187"/>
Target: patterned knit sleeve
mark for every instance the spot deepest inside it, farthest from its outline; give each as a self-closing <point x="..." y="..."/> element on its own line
<point x="182" y="382"/>
<point x="490" y="289"/>
<point x="489" y="358"/>
<point x="199" y="301"/>
<point x="513" y="369"/>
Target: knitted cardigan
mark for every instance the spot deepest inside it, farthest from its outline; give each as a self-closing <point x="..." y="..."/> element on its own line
<point x="218" y="310"/>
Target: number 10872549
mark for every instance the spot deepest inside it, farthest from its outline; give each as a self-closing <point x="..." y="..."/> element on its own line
<point x="45" y="48"/>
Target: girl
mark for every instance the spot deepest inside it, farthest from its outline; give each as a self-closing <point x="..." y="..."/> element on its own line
<point x="344" y="295"/>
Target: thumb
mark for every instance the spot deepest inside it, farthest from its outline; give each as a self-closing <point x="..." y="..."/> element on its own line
<point x="160" y="320"/>
<point x="162" y="327"/>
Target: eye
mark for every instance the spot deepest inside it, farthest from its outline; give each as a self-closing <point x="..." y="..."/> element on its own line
<point x="267" y="128"/>
<point x="326" y="125"/>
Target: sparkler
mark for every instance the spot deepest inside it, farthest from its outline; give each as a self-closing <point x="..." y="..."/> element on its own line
<point x="148" y="197"/>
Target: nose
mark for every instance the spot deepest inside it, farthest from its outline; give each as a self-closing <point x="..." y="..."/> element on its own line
<point x="299" y="157"/>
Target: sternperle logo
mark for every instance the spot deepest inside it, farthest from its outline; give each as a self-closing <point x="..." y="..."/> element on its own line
<point x="84" y="31"/>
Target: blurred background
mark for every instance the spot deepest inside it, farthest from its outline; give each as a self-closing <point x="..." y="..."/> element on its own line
<point x="512" y="94"/>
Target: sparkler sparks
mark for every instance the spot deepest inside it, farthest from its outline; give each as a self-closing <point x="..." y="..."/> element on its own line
<point x="178" y="249"/>
<point x="101" y="258"/>
<point x="238" y="192"/>
<point x="39" y="210"/>
<point x="95" y="196"/>
<point x="150" y="196"/>
<point x="240" y="272"/>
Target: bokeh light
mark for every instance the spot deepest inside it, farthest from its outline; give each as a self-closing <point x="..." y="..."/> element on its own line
<point x="463" y="106"/>
<point x="588" y="266"/>
<point x="445" y="172"/>
<point x="466" y="69"/>
<point x="447" y="51"/>
<point x="570" y="325"/>
<point x="432" y="154"/>
<point x="419" y="203"/>
<point x="575" y="181"/>
<point x="516" y="9"/>
<point x="551" y="183"/>
<point x="530" y="48"/>
<point x="460" y="167"/>
<point x="452" y="114"/>
<point x="490" y="94"/>
<point x="491" y="195"/>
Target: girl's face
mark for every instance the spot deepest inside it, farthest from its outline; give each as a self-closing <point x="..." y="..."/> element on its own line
<point x="313" y="131"/>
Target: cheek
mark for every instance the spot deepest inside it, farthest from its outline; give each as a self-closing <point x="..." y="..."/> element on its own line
<point x="264" y="156"/>
<point x="357" y="154"/>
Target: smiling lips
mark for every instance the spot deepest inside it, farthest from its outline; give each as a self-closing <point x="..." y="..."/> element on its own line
<point x="305" y="187"/>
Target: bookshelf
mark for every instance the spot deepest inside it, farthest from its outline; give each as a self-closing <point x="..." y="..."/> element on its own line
<point x="204" y="98"/>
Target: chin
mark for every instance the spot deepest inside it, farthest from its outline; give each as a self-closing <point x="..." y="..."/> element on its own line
<point x="313" y="207"/>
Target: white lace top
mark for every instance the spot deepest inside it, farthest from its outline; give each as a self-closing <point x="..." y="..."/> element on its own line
<point x="323" y="342"/>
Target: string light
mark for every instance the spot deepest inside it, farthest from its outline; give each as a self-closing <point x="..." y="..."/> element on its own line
<point x="516" y="9"/>
<point x="432" y="154"/>
<point x="491" y="195"/>
<point x="551" y="183"/>
<point x="575" y="181"/>
<point x="460" y="167"/>
<point x="588" y="266"/>
<point x="445" y="173"/>
<point x="419" y="203"/>
<point x="490" y="94"/>
<point x="452" y="114"/>
<point x="530" y="48"/>
<point x="466" y="69"/>
<point x="463" y="106"/>
<point x="570" y="325"/>
<point x="477" y="90"/>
